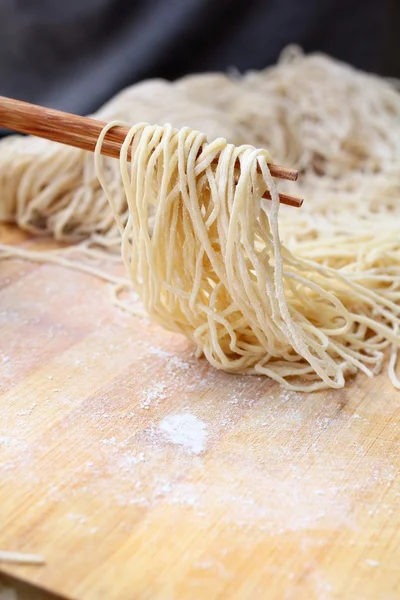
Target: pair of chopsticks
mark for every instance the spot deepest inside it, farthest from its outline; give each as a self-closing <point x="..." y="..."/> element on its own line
<point x="83" y="133"/>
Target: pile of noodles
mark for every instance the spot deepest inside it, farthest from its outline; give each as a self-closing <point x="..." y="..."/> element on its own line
<point x="307" y="298"/>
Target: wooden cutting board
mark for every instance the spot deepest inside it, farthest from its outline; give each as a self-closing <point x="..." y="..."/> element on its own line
<point x="139" y="472"/>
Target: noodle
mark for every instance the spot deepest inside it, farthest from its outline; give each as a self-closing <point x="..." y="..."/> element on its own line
<point x="211" y="266"/>
<point x="307" y="300"/>
<point x="21" y="558"/>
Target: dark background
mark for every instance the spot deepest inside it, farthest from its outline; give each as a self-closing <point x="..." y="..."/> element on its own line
<point x="75" y="54"/>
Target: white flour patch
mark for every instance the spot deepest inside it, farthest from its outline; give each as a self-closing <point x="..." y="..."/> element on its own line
<point x="153" y="394"/>
<point x="129" y="460"/>
<point x="185" y="429"/>
<point x="11" y="442"/>
<point x="174" y="364"/>
<point x="78" y="518"/>
<point x="159" y="352"/>
<point x="372" y="563"/>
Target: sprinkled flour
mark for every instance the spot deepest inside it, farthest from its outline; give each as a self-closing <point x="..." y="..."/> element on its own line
<point x="186" y="430"/>
<point x="155" y="393"/>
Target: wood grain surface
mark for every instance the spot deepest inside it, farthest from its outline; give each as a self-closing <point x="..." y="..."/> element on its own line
<point x="139" y="472"/>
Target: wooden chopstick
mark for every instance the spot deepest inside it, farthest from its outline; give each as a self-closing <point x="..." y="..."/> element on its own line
<point x="83" y="133"/>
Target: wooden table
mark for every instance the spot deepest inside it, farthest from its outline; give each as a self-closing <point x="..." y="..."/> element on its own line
<point x="139" y="472"/>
